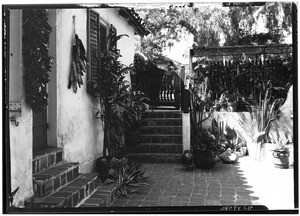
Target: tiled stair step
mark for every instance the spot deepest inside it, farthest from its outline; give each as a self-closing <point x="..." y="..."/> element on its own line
<point x="167" y="148"/>
<point x="52" y="179"/>
<point x="161" y="129"/>
<point x="71" y="194"/>
<point x="103" y="196"/>
<point x="46" y="158"/>
<point x="155" y="157"/>
<point x="162" y="114"/>
<point x="161" y="122"/>
<point x="161" y="138"/>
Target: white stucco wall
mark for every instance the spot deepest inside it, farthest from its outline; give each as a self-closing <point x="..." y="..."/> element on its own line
<point x="80" y="134"/>
<point x="21" y="156"/>
<point x="20" y="136"/>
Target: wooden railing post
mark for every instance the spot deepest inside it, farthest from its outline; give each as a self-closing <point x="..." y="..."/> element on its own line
<point x="177" y="90"/>
<point x="182" y="95"/>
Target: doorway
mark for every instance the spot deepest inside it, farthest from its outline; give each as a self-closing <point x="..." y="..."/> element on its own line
<point x="39" y="130"/>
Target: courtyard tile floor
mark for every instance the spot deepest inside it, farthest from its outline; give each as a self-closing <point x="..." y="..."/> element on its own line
<point x="248" y="182"/>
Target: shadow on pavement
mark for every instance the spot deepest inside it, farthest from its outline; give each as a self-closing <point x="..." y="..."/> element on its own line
<point x="225" y="184"/>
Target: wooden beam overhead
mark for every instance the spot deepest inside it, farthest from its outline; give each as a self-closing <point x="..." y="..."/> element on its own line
<point x="240" y="50"/>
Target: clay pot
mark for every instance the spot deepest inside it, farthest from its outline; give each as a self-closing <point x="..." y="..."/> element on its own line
<point x="281" y="159"/>
<point x="187" y="158"/>
<point x="204" y="160"/>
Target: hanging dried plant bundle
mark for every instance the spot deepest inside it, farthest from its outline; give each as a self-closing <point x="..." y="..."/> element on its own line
<point x="78" y="67"/>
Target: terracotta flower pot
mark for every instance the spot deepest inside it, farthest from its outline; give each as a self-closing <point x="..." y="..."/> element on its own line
<point x="187" y="158"/>
<point x="281" y="159"/>
<point x="232" y="107"/>
<point x="204" y="160"/>
<point x="104" y="166"/>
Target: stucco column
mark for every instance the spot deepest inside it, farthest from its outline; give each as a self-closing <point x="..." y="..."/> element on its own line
<point x="186" y="131"/>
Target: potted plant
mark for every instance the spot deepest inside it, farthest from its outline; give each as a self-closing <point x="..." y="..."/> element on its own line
<point x="222" y="103"/>
<point x="204" y="149"/>
<point x="281" y="153"/>
<point x="232" y="101"/>
<point x="136" y="108"/>
<point x="115" y="108"/>
<point x="204" y="146"/>
<point x="232" y="146"/>
<point x="281" y="156"/>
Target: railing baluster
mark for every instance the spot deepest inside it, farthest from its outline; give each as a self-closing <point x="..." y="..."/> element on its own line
<point x="162" y="89"/>
<point x="169" y="88"/>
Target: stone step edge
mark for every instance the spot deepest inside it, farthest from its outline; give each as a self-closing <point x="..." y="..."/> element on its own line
<point x="159" y="149"/>
<point x="160" y="144"/>
<point x="50" y="157"/>
<point x="37" y="182"/>
<point x="161" y="135"/>
<point x="161" y="126"/>
<point x="39" y="199"/>
<point x="154" y="111"/>
<point x="74" y="165"/>
<point x="59" y="201"/>
<point x="46" y="151"/>
<point x="49" y="167"/>
<point x="155" y="154"/>
<point x="156" y="157"/>
<point x="103" y="196"/>
<point x="160" y="119"/>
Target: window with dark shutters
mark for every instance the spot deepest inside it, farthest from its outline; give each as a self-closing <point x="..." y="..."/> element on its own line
<point x="93" y="38"/>
<point x="103" y="43"/>
<point x="97" y="46"/>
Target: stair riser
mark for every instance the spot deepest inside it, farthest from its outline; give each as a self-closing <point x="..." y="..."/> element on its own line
<point x="170" y="149"/>
<point x="161" y="139"/>
<point x="161" y="130"/>
<point x="156" y="158"/>
<point x="43" y="188"/>
<point x="43" y="162"/>
<point x="161" y="122"/>
<point x="103" y="196"/>
<point x="69" y="196"/>
<point x="84" y="192"/>
<point x="162" y="115"/>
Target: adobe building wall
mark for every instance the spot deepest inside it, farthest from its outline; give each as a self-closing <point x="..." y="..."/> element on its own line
<point x="79" y="133"/>
<point x="20" y="137"/>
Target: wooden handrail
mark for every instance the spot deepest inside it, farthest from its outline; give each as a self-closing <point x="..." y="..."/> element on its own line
<point x="163" y="88"/>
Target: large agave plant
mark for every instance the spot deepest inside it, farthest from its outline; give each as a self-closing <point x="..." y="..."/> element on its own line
<point x="130" y="179"/>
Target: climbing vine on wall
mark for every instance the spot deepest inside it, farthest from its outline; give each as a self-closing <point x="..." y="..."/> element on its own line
<point x="36" y="60"/>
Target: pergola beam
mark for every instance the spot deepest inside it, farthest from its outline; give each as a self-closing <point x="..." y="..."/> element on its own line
<point x="240" y="50"/>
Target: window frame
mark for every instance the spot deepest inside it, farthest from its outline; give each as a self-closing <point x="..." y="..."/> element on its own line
<point x="92" y="75"/>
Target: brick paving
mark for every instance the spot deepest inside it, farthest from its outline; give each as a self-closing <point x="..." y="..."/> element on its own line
<point x="225" y="184"/>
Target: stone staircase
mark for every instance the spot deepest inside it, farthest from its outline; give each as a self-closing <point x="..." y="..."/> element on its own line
<point x="161" y="137"/>
<point x="58" y="184"/>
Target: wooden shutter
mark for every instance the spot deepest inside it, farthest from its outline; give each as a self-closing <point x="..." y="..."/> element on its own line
<point x="113" y="32"/>
<point x="93" y="38"/>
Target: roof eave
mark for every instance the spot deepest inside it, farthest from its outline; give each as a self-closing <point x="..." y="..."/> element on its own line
<point x="124" y="12"/>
